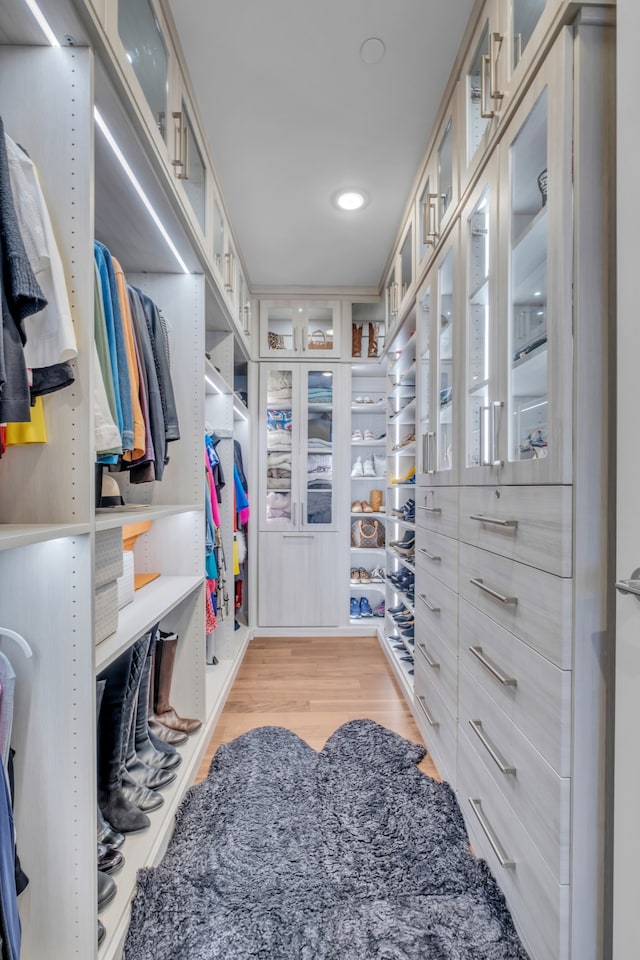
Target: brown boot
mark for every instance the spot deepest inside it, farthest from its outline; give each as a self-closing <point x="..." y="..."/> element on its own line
<point x="372" y="351"/>
<point x="165" y="714"/>
<point x="356" y="340"/>
<point x="375" y="499"/>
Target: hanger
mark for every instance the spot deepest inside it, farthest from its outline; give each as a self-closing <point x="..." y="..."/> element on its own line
<point x="19" y="639"/>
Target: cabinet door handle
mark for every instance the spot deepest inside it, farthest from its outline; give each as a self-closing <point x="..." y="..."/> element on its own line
<point x="478" y="582"/>
<point x="432" y="663"/>
<point x="430" y="509"/>
<point x="485" y="113"/>
<point x="429" y="556"/>
<point x="185" y="153"/>
<point x="430" y="720"/>
<point x="487" y="829"/>
<point x="295" y="338"/>
<point x="298" y="536"/>
<point x="427" y="604"/>
<point x="496" y="521"/>
<point x="503" y="766"/>
<point x="302" y="514"/>
<point x="433" y="208"/>
<point x="178" y="144"/>
<point x="495" y="406"/>
<point x="495" y="45"/>
<point x="425" y="223"/>
<point x="492" y="668"/>
<point x="295" y="514"/>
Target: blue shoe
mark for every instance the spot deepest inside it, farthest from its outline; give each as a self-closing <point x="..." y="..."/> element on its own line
<point x="354" y="612"/>
<point x="365" y="608"/>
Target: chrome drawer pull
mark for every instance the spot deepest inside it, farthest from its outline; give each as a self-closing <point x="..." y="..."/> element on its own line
<point x="495" y="520"/>
<point x="423" y="651"/>
<point x="429" y="556"/>
<point x="496" y="846"/>
<point x="503" y="766"/>
<point x="427" y="604"/>
<point x="430" y="720"/>
<point x="491" y="667"/>
<point x="477" y="582"/>
<point x="430" y="509"/>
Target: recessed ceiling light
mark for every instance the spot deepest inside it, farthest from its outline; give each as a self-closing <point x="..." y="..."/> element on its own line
<point x="350" y="199"/>
<point x="372" y="50"/>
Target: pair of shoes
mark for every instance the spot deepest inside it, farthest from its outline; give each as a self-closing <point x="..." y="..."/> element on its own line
<point x="363" y="469"/>
<point x="367" y="437"/>
<point x="379" y="610"/>
<point x="407" y="541"/>
<point x="356" y="436"/>
<point x="408" y="507"/>
<point x="404" y="442"/>
<point x="409" y="477"/>
<point x="360" y="575"/>
<point x="361" y="506"/>
<point x="378" y="575"/>
<point x="360" y="608"/>
<point x="406" y="550"/>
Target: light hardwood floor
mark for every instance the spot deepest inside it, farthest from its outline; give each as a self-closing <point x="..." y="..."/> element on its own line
<point x="312" y="686"/>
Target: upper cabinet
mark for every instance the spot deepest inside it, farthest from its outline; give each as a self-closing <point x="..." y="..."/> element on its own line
<point x="308" y="330"/>
<point x="438" y="192"/>
<point x="479" y="91"/>
<point x="399" y="285"/>
<point x="189" y="163"/>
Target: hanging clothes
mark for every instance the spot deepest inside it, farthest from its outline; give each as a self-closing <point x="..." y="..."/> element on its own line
<point x="138" y="448"/>
<point x="148" y="469"/>
<point x="117" y="346"/>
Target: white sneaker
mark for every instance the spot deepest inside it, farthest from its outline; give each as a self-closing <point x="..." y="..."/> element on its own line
<point x="356" y="436"/>
<point x="377" y="574"/>
<point x="368" y="467"/>
<point x="357" y="469"/>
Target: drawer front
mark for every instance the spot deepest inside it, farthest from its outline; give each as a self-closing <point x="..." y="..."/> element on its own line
<point x="437" y="725"/>
<point x="530" y="524"/>
<point x="538" y="797"/>
<point x="437" y="510"/>
<point x="438" y="556"/>
<point x="533" y="692"/>
<point x="436" y="609"/>
<point x="440" y="663"/>
<point x="533" y="605"/>
<point x="538" y="903"/>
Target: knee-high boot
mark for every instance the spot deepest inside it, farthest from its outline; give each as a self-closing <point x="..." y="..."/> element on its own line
<point x="139" y="771"/>
<point x="113" y="732"/>
<point x="356" y="340"/>
<point x="161" y="737"/>
<point x="162" y="759"/>
<point x="372" y="350"/>
<point x="106" y="834"/>
<point x="165" y="713"/>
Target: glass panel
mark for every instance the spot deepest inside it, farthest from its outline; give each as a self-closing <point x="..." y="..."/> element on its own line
<point x="319" y="329"/>
<point x="280" y="321"/>
<point x="392" y="299"/>
<point x="279" y="451"/>
<point x="230" y="270"/>
<point x="406" y="273"/>
<point x="319" y="485"/>
<point x="218" y="236"/>
<point x="424" y="334"/>
<point x="241" y="299"/>
<point x="445" y="363"/>
<point x="478" y="334"/>
<point x="425" y="227"/>
<point x="526" y="14"/>
<point x="194" y="172"/>
<point x="528" y="409"/>
<point x="445" y="169"/>
<point x="146" y="52"/>
<point x="476" y="123"/>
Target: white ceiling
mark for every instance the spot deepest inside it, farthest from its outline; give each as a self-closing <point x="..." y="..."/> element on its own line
<point x="293" y="114"/>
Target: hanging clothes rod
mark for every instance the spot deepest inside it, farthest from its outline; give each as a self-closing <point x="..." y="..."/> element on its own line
<point x="19" y="639"/>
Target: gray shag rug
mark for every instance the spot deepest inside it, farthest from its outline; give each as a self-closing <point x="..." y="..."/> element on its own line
<point x="347" y="854"/>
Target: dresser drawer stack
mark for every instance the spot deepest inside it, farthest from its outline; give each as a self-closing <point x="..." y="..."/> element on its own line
<point x="514" y="698"/>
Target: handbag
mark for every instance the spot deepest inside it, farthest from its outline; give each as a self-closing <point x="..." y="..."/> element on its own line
<point x="318" y="341"/>
<point x="367" y="533"/>
<point x="275" y="341"/>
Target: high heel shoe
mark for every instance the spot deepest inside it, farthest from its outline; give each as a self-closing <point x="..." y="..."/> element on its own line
<point x="409" y="477"/>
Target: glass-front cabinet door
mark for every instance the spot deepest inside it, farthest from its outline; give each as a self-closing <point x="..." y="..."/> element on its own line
<point x="425" y="463"/>
<point x="143" y="37"/>
<point x="218" y="238"/>
<point x="535" y="437"/>
<point x="426" y="218"/>
<point x="309" y="329"/>
<point x="280" y="414"/>
<point x="320" y="329"/>
<point x="480" y="90"/>
<point x="445" y="326"/>
<point x="392" y="299"/>
<point x="447" y="192"/>
<point x="279" y="328"/>
<point x="525" y="16"/>
<point x="483" y="406"/>
<point x="189" y="164"/>
<point x="317" y="506"/>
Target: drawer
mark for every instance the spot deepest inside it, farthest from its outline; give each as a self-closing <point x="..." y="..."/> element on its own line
<point x="436" y="609"/>
<point x="438" y="555"/>
<point x="534" y="605"/>
<point x="532" y="691"/>
<point x="530" y="524"/>
<point x="538" y="797"/>
<point x="440" y="663"/>
<point x="437" y="510"/>
<point x="437" y="725"/>
<point x="539" y="904"/>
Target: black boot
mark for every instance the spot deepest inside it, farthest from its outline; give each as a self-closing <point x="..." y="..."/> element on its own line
<point x="109" y="859"/>
<point x="165" y="757"/>
<point x="122" y="678"/>
<point x="106" y="889"/>
<point x="106" y="834"/>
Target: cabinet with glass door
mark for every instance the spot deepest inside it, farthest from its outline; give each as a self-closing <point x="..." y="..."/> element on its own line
<point x="189" y="160"/>
<point x="306" y="330"/>
<point x="438" y="192"/>
<point x="478" y="92"/>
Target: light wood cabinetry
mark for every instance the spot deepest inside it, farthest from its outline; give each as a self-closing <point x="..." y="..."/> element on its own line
<point x="307" y="330"/>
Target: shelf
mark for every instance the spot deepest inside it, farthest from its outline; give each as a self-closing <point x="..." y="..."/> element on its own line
<point x="376" y="551"/>
<point x="109" y="517"/>
<point x="399" y="667"/>
<point x="378" y="407"/>
<point x="214" y="381"/>
<point x="360" y="513"/>
<point x="529" y="374"/>
<point x="407" y="451"/>
<point x="369" y="443"/>
<point x="320" y="407"/>
<point x="405" y="524"/>
<point x="480" y="296"/>
<point x="406" y="415"/>
<point x="150" y="605"/>
<point x="147" y="849"/>
<point x="14" y="535"/>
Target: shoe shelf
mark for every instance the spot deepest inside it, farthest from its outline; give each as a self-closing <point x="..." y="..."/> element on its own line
<point x="356" y="514"/>
<point x="369" y="443"/>
<point x="408" y="450"/>
<point x="150" y="604"/>
<point x="14" y="535"/>
<point x="400" y="667"/>
<point x="367" y="551"/>
<point x="406" y="415"/>
<point x="377" y="406"/>
<point x="405" y="524"/>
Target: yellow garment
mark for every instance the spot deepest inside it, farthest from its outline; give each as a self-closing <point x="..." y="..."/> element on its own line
<point x="139" y="432"/>
<point x="33" y="432"/>
<point x="236" y="562"/>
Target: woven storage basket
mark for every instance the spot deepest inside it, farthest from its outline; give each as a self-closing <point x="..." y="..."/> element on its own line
<point x="106" y="610"/>
<point x="108" y="565"/>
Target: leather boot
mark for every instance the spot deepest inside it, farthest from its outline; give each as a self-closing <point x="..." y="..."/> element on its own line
<point x="165" y="713"/>
<point x="146" y="776"/>
<point x="165" y="735"/>
<point x="161" y="737"/>
<point x="101" y="932"/>
<point x="356" y="340"/>
<point x="161" y="759"/>
<point x="106" y="889"/>
<point x="142" y="797"/>
<point x="105" y="833"/>
<point x="375" y="500"/>
<point x="122" y="678"/>
<point x="109" y="860"/>
<point x="372" y="350"/>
